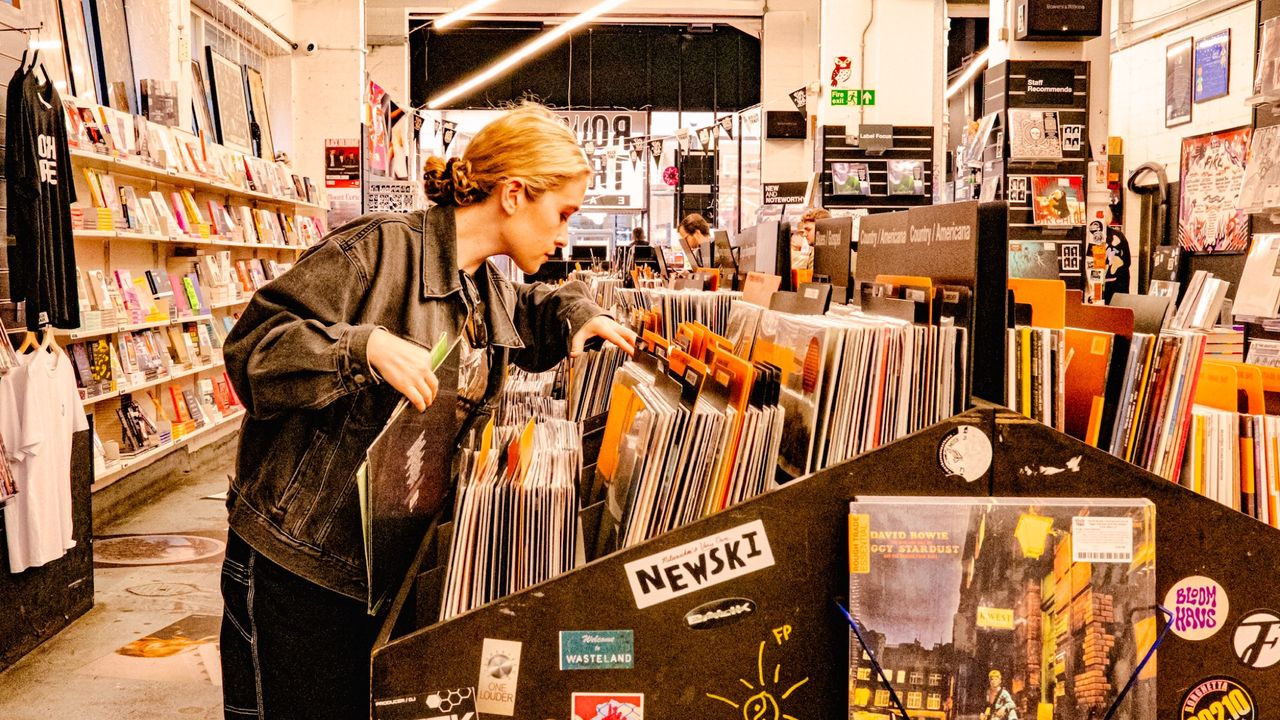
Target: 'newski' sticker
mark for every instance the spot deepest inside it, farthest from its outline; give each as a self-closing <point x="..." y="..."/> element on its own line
<point x="699" y="564"/>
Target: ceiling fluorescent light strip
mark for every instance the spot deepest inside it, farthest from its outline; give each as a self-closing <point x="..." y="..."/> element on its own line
<point x="523" y="52"/>
<point x="972" y="69"/>
<point x="460" y="14"/>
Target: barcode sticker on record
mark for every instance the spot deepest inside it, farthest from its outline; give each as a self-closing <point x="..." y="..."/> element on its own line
<point x="1102" y="539"/>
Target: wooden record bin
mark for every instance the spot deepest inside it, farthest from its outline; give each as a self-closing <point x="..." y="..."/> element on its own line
<point x="794" y="641"/>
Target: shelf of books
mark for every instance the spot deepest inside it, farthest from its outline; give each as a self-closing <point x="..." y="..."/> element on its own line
<point x="173" y="236"/>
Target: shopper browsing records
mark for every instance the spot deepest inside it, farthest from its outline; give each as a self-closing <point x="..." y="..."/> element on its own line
<point x="694" y="232"/>
<point x="802" y="246"/>
<point x="321" y="357"/>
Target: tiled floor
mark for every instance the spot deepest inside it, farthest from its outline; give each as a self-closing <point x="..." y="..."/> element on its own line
<point x="79" y="676"/>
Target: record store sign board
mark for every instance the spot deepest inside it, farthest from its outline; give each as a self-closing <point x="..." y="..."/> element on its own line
<point x="933" y="240"/>
<point x="615" y="183"/>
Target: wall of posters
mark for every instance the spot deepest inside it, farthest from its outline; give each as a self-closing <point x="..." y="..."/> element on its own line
<point x="615" y="183"/>
<point x="1212" y="66"/>
<point x="1213" y="170"/>
<point x="1177" y="83"/>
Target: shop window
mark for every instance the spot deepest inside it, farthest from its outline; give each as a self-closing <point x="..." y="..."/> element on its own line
<point x="882" y="697"/>
<point x="913" y="700"/>
<point x="935" y="702"/>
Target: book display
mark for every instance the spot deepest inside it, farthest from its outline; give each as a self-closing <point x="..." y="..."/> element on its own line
<point x="173" y="235"/>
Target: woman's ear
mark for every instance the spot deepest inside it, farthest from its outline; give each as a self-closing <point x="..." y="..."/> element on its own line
<point x="511" y="194"/>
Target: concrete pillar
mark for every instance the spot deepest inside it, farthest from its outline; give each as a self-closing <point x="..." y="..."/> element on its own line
<point x="328" y="86"/>
<point x="788" y="60"/>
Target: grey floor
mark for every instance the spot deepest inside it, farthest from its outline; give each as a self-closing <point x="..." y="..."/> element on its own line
<point x="71" y="675"/>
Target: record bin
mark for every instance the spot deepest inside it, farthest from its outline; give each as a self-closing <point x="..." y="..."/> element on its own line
<point x="775" y="643"/>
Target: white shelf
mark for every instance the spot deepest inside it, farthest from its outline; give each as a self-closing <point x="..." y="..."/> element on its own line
<point x="73" y="335"/>
<point x="172" y="377"/>
<point x="229" y="303"/>
<point x="141" y="170"/>
<point x="141" y="460"/>
<point x="183" y="240"/>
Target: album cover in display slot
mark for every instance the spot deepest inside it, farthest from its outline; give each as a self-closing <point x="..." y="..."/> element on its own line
<point x="1039" y="607"/>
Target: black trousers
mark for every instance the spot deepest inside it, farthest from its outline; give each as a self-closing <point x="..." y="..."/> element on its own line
<point x="290" y="648"/>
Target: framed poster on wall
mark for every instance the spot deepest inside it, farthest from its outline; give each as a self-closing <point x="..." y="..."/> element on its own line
<point x="200" y="103"/>
<point x="1213" y="66"/>
<point x="1177" y="83"/>
<point x="258" y="106"/>
<point x="1209" y="216"/>
<point x="78" y="53"/>
<point x="110" y="32"/>
<point x="230" y="111"/>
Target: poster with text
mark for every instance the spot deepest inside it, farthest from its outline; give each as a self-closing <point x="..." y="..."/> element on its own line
<point x="1213" y="170"/>
<point x="1213" y="66"/>
<point x="615" y="183"/>
<point x="377" y="123"/>
<point x="341" y="163"/>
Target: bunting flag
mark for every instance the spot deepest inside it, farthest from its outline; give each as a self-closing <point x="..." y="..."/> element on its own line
<point x="655" y="151"/>
<point x="801" y="99"/>
<point x="634" y="152"/>
<point x="704" y="137"/>
<point x="437" y="130"/>
<point x="450" y="129"/>
<point x="418" y="121"/>
<point x="726" y="124"/>
<point x="685" y="140"/>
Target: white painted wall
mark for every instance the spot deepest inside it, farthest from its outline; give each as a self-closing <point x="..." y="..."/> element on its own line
<point x="1137" y="97"/>
<point x="327" y="86"/>
<point x="388" y="65"/>
<point x="788" y="60"/>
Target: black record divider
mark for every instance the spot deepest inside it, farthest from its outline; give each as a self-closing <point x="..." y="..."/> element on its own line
<point x="910" y="142"/>
<point x="1031" y="246"/>
<point x="794" y="627"/>
<point x="39" y="602"/>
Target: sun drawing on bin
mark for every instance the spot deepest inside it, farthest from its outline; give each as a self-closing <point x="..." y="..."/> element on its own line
<point x="762" y="704"/>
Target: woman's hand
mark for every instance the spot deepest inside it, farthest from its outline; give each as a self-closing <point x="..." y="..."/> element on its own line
<point x="404" y="366"/>
<point x="606" y="328"/>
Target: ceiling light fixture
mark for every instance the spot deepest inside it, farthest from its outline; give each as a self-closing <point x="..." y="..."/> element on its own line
<point x="527" y="50"/>
<point x="460" y="14"/>
<point x="973" y="68"/>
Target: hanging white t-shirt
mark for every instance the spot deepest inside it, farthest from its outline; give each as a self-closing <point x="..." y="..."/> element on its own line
<point x="40" y="408"/>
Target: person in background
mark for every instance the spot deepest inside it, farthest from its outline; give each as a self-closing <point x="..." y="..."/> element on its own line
<point x="322" y="356"/>
<point x="637" y="237"/>
<point x="694" y="231"/>
<point x="802" y="247"/>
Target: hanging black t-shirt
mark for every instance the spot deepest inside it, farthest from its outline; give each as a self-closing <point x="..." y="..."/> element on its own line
<point x="42" y="262"/>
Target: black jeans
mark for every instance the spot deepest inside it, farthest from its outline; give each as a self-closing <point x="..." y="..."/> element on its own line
<point x="290" y="648"/>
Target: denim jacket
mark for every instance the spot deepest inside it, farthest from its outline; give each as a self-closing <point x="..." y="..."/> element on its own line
<point x="297" y="359"/>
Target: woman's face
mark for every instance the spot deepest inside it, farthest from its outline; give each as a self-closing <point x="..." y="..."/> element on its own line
<point x="535" y="230"/>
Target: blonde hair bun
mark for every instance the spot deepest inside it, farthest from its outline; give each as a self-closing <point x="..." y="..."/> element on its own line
<point x="528" y="143"/>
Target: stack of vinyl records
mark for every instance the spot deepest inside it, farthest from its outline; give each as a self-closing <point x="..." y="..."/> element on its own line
<point x="529" y="396"/>
<point x="674" y="307"/>
<point x="1034" y="374"/>
<point x="853" y="382"/>
<point x="516" y="513"/>
<point x="1157" y="433"/>
<point x="1234" y="458"/>
<point x="590" y="375"/>
<point x="685" y="437"/>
